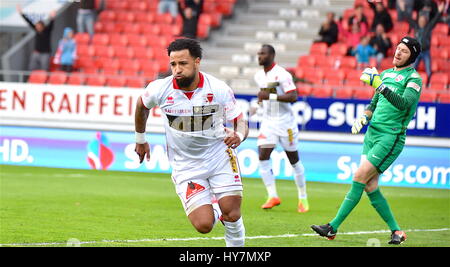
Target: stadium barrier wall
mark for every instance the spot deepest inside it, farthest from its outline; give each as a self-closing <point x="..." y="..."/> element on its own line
<point x="92" y="104"/>
<point x="425" y="167"/>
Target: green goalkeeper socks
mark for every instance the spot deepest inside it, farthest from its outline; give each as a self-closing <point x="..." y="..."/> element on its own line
<point x="382" y="207"/>
<point x="351" y="200"/>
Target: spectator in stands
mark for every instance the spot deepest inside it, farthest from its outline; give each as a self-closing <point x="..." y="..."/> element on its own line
<point x="423" y="31"/>
<point x="359" y="16"/>
<point x="352" y="37"/>
<point x="40" y="58"/>
<point x="404" y="9"/>
<point x="168" y="6"/>
<point x="381" y="15"/>
<point x="381" y="42"/>
<point x="190" y="20"/>
<point x="329" y="30"/>
<point x="67" y="51"/>
<point x="363" y="52"/>
<point x="428" y="8"/>
<point x="86" y="17"/>
<point x="196" y="5"/>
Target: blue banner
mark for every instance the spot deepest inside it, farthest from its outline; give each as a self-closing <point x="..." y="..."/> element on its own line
<point x="338" y="115"/>
<point x="324" y="161"/>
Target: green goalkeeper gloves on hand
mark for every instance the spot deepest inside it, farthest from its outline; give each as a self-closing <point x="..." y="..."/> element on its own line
<point x="359" y="123"/>
<point x="371" y="77"/>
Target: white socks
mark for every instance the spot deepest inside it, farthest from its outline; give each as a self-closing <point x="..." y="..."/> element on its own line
<point x="234" y="233"/>
<point x="265" y="170"/>
<point x="299" y="177"/>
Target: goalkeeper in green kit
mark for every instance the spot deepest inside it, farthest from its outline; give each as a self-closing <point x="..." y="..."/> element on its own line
<point x="393" y="105"/>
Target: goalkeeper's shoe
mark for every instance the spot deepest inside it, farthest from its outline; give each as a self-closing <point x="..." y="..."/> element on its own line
<point x="325" y="230"/>
<point x="271" y="202"/>
<point x="397" y="237"/>
<point x="303" y="205"/>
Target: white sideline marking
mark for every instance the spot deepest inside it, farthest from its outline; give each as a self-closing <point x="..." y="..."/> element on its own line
<point x="217" y="238"/>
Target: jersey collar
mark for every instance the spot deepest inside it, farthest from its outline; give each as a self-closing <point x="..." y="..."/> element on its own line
<point x="270" y="68"/>
<point x="200" y="82"/>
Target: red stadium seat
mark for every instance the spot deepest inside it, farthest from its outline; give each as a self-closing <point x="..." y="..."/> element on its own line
<point x="306" y="61"/>
<point x="145" y="17"/>
<point x="82" y="38"/>
<point x="38" y="76"/>
<point x="322" y="92"/>
<point x="318" y="49"/>
<point x="140" y="6"/>
<point x="96" y="80"/>
<point x="152" y="30"/>
<point x="145" y="53"/>
<point x="344" y="92"/>
<point x="126" y="16"/>
<point x="439" y="79"/>
<point x="363" y="94"/>
<point x="124" y="52"/>
<point x="57" y="77"/>
<point x="203" y="31"/>
<point x="165" y="18"/>
<point x="116" y="81"/>
<point x="100" y="39"/>
<point x="76" y="78"/>
<point x="428" y="96"/>
<point x="338" y="49"/>
<point x="150" y="69"/>
<point x="324" y="61"/>
<point x="444" y="97"/>
<point x="135" y="82"/>
<point x="107" y="15"/>
<point x="117" y="39"/>
<point x="206" y="19"/>
<point x="226" y="7"/>
<point x="348" y="62"/>
<point x="104" y="51"/>
<point x="304" y="90"/>
<point x="314" y="75"/>
<point x="85" y="50"/>
<point x="137" y="40"/>
<point x="111" y="66"/>
<point x="130" y="67"/>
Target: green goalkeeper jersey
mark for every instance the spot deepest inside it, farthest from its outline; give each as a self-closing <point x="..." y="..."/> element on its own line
<point x="394" y="108"/>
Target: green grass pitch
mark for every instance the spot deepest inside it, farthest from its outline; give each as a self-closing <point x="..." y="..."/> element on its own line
<point x="48" y="207"/>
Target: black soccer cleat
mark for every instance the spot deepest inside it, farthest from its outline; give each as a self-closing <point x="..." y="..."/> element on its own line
<point x="397" y="237"/>
<point x="325" y="230"/>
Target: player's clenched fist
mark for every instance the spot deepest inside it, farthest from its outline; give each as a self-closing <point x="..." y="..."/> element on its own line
<point x="371" y="77"/>
<point x="359" y="123"/>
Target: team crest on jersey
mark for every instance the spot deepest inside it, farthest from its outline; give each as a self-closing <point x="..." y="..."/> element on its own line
<point x="399" y="78"/>
<point x="193" y="189"/>
<point x="210" y="97"/>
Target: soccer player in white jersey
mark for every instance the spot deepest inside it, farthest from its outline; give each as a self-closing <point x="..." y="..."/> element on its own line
<point x="278" y="125"/>
<point x="200" y="149"/>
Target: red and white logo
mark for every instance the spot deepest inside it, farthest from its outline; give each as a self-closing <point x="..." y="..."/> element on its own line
<point x="169" y="100"/>
<point x="210" y="97"/>
<point x="193" y="189"/>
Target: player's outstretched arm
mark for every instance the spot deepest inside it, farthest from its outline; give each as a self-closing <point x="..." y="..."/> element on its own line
<point x="240" y="133"/>
<point x="140" y="121"/>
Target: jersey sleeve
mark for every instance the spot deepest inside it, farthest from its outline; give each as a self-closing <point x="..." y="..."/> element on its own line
<point x="150" y="97"/>
<point x="230" y="107"/>
<point x="287" y="83"/>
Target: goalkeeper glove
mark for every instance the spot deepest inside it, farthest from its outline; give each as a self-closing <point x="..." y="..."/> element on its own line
<point x="359" y="123"/>
<point x="371" y="77"/>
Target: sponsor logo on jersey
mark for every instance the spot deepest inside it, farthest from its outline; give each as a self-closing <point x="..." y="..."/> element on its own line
<point x="414" y="85"/>
<point x="390" y="75"/>
<point x="193" y="189"/>
<point x="170" y="100"/>
<point x="202" y="110"/>
<point x="399" y="78"/>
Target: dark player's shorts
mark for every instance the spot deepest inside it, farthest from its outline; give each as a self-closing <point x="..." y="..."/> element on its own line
<point x="382" y="149"/>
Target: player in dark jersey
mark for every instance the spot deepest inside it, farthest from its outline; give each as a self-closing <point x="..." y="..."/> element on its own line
<point x="397" y="93"/>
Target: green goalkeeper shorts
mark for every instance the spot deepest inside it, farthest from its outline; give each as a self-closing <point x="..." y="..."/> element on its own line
<point x="382" y="149"/>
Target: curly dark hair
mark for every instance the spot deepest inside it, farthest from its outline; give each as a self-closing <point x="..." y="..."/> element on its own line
<point x="185" y="43"/>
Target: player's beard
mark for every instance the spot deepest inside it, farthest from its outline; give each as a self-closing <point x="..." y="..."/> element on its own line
<point x="185" y="82"/>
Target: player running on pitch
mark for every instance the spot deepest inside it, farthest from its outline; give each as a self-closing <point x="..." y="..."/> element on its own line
<point x="200" y="149"/>
<point x="278" y="125"/>
<point x="393" y="105"/>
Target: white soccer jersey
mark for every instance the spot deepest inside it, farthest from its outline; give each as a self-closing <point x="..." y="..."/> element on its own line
<point x="194" y="121"/>
<point x="277" y="116"/>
